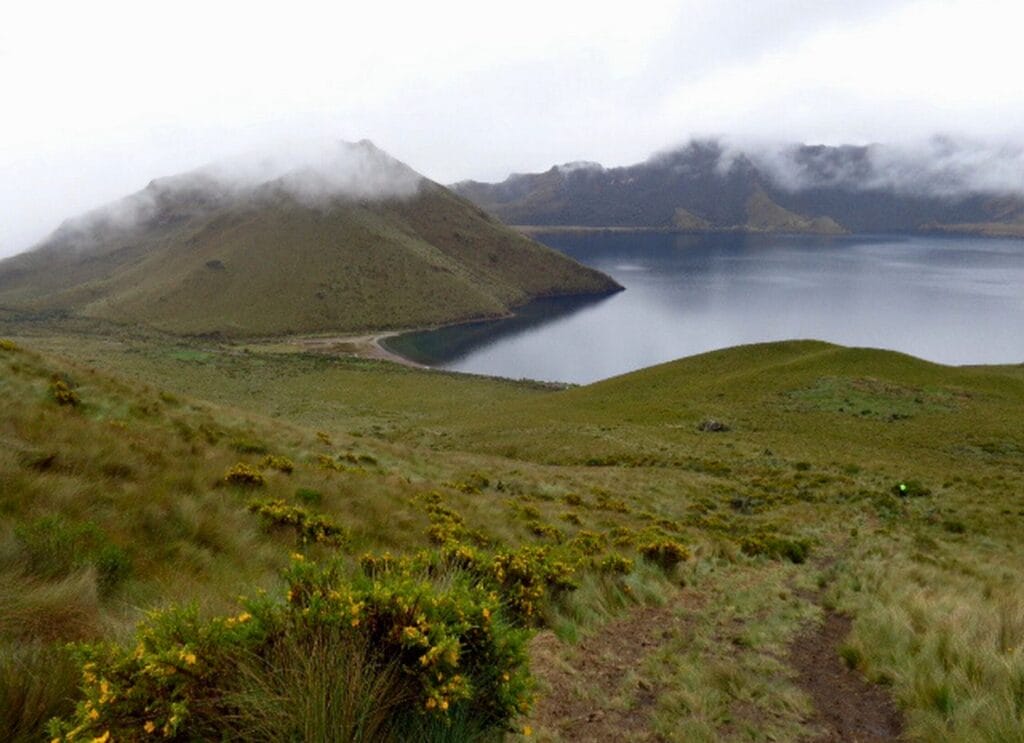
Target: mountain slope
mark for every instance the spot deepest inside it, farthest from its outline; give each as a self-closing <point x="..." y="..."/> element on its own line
<point x="704" y="186"/>
<point x="199" y="254"/>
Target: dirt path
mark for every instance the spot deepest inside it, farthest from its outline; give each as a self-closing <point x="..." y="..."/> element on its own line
<point x="593" y="695"/>
<point x="848" y="708"/>
<point x="364" y="346"/>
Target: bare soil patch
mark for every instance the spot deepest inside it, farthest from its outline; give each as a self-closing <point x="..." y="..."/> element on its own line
<point x="847" y="707"/>
<point x="595" y="694"/>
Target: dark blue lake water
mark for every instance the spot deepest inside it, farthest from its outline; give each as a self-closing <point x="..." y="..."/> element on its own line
<point x="951" y="300"/>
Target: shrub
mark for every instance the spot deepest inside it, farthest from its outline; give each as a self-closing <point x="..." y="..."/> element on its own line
<point x="615" y="564"/>
<point x="666" y="553"/>
<point x="244" y="475"/>
<point x="281" y="464"/>
<point x="524" y="577"/>
<point x="573" y="499"/>
<point x="63" y="394"/>
<point x="309" y="528"/>
<point x="8" y="345"/>
<point x="776" y="547"/>
<point x="414" y="648"/>
<point x="472" y="484"/>
<point x="572" y="518"/>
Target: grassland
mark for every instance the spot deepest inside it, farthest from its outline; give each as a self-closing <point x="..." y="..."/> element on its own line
<point x="265" y="263"/>
<point x="787" y="513"/>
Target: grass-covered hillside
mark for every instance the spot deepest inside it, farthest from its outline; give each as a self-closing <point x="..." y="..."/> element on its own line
<point x="421" y="555"/>
<point x="196" y="255"/>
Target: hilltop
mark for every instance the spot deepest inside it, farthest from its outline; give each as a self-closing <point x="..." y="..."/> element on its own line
<point x="359" y="241"/>
<point x="706" y="186"/>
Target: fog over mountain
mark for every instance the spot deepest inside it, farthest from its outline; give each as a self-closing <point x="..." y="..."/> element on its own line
<point x="99" y="98"/>
<point x="944" y="185"/>
<point x="313" y="174"/>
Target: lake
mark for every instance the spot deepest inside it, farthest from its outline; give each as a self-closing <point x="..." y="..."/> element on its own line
<point x="946" y="299"/>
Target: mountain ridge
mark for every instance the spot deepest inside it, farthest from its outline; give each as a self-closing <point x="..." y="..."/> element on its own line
<point x="375" y="246"/>
<point x="704" y="186"/>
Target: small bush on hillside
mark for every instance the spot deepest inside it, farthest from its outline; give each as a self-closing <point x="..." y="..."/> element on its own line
<point x="281" y="464"/>
<point x="244" y="475"/>
<point x="615" y="564"/>
<point x="309" y="528"/>
<point x="62" y="393"/>
<point x="573" y="499"/>
<point x="665" y="553"/>
<point x="415" y="648"/>
<point x="776" y="547"/>
<point x="8" y="345"/>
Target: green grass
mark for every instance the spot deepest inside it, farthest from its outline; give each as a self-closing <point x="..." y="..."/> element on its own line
<point x="930" y="581"/>
<point x="283" y="267"/>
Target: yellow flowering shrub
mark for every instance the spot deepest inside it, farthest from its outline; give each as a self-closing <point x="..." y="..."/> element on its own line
<point x="244" y="475"/>
<point x="451" y="640"/>
<point x="665" y="553"/>
<point x="310" y="528"/>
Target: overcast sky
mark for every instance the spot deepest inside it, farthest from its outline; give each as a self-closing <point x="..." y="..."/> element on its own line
<point x="97" y="98"/>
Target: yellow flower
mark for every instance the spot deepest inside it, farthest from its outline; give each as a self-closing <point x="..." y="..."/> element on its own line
<point x="103" y="738"/>
<point x="94" y="714"/>
<point x="444" y="704"/>
<point x="298" y="557"/>
<point x="431" y="703"/>
<point x="149" y="727"/>
<point x="487" y="613"/>
<point x="188" y="657"/>
<point x="527" y="731"/>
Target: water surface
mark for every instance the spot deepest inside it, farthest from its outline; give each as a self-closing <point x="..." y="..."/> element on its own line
<point x="946" y="299"/>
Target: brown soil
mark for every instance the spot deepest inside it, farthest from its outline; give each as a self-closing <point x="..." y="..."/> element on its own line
<point x="848" y="708"/>
<point x="576" y="693"/>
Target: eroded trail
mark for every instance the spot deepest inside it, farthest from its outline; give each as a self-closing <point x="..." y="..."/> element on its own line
<point x="594" y="694"/>
<point x="848" y="707"/>
<point x="751" y="660"/>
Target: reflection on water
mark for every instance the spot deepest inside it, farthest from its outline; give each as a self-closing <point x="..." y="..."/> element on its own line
<point x="951" y="300"/>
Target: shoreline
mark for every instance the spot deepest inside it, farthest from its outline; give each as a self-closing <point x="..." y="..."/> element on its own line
<point x="364" y="346"/>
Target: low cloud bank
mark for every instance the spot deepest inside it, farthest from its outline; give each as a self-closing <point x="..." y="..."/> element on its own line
<point x="940" y="166"/>
<point x="312" y="174"/>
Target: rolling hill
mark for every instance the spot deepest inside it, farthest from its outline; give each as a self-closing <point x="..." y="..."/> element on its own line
<point x="342" y="248"/>
<point x="706" y="186"/>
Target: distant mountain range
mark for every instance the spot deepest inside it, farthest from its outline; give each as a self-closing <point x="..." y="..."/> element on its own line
<point x="356" y="241"/>
<point x="706" y="186"/>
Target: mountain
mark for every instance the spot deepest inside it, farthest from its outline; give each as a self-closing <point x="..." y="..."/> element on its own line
<point x="355" y="240"/>
<point x="706" y="186"/>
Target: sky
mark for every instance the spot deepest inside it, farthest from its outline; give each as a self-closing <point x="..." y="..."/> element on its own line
<point x="98" y="98"/>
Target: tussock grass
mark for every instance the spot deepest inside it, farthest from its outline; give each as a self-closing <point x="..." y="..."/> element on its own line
<point x="937" y="613"/>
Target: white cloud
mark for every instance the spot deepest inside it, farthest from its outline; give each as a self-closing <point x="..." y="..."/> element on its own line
<point x="101" y="97"/>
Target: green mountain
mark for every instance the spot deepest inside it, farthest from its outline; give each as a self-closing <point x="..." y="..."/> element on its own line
<point x="706" y="186"/>
<point x="370" y="245"/>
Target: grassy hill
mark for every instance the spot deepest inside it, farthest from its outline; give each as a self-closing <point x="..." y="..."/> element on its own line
<point x="195" y="254"/>
<point x="774" y="467"/>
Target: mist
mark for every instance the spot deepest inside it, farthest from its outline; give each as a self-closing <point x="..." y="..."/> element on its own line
<point x="102" y="98"/>
<point x="941" y="166"/>
<point x="314" y="174"/>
